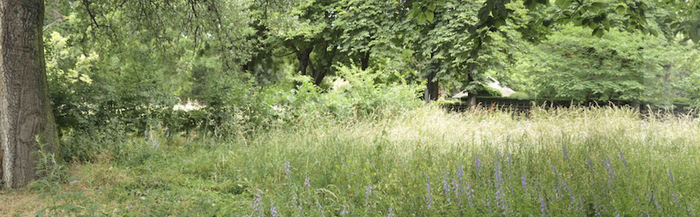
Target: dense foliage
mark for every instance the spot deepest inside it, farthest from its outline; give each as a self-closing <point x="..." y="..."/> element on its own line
<point x="256" y="65"/>
<point x="425" y="161"/>
<point x="313" y="107"/>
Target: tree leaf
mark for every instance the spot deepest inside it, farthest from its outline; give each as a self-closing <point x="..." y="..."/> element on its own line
<point x="561" y="2"/>
<point x="620" y="9"/>
<point x="598" y="32"/>
<point x="695" y="32"/>
<point x="421" y="18"/>
<point x="429" y="15"/>
<point x="596" y="6"/>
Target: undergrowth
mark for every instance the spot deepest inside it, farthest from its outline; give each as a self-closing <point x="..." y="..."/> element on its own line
<point x="422" y="162"/>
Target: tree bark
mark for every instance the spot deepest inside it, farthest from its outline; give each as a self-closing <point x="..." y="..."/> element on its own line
<point x="471" y="95"/>
<point x="25" y="109"/>
<point x="364" y="61"/>
<point x="432" y="88"/>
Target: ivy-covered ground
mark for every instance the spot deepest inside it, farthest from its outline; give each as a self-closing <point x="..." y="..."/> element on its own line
<point x="424" y="162"/>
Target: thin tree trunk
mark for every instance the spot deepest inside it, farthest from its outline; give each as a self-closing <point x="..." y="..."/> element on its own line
<point x="432" y="88"/>
<point x="364" y="61"/>
<point x="25" y="111"/>
<point x="471" y="95"/>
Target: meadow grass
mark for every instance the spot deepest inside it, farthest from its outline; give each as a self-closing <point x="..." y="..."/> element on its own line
<point x="424" y="162"/>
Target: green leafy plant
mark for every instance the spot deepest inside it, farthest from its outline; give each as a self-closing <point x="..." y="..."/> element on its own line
<point x="50" y="171"/>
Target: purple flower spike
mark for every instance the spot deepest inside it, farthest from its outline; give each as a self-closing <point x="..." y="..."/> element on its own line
<point x="257" y="204"/>
<point x="623" y="159"/>
<point x="286" y="169"/>
<point x="460" y="172"/>
<point x="446" y="187"/>
<point x="477" y="164"/>
<point x="429" y="201"/>
<point x="543" y="207"/>
<point x="273" y="211"/>
<point x="675" y="199"/>
<point x="368" y="192"/>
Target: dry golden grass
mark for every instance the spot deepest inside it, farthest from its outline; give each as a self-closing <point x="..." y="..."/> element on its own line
<point x="19" y="203"/>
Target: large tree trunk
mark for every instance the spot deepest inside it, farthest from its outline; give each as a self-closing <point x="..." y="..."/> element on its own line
<point x="25" y="109"/>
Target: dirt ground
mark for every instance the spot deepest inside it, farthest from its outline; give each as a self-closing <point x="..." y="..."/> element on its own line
<point x="19" y="203"/>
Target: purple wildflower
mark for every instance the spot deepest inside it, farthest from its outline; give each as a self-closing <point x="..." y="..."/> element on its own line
<point x="257" y="204"/>
<point x="610" y="169"/>
<point x="564" y="152"/>
<point x="477" y="163"/>
<point x="675" y="199"/>
<point x="455" y="188"/>
<point x="446" y="187"/>
<point x="307" y="182"/>
<point x="460" y="172"/>
<point x="523" y="181"/>
<point x="568" y="189"/>
<point x="286" y="169"/>
<point x="500" y="195"/>
<point x="298" y="204"/>
<point x="344" y="212"/>
<point x="602" y="186"/>
<point x="611" y="173"/>
<point x="653" y="197"/>
<point x="273" y="211"/>
<point x="671" y="175"/>
<point x="320" y="208"/>
<point x="470" y="195"/>
<point x="558" y="192"/>
<point x="130" y="206"/>
<point x="623" y="159"/>
<point x="429" y="200"/>
<point x="368" y="192"/>
<point x="543" y="206"/>
<point x="391" y="213"/>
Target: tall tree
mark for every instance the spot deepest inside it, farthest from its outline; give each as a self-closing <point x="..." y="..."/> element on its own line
<point x="25" y="109"/>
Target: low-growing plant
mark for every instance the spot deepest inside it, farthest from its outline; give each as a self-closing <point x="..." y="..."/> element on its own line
<point x="425" y="161"/>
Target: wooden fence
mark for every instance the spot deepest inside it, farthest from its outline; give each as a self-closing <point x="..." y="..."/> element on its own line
<point x="520" y="106"/>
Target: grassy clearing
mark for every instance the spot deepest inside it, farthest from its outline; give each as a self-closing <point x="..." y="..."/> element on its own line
<point x="424" y="162"/>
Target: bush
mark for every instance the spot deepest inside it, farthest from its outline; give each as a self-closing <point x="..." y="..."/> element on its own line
<point x="520" y="96"/>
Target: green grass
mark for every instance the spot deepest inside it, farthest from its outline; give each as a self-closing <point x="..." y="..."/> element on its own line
<point x="423" y="162"/>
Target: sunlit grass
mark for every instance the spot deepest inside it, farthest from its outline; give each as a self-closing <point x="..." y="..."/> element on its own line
<point x="423" y="162"/>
